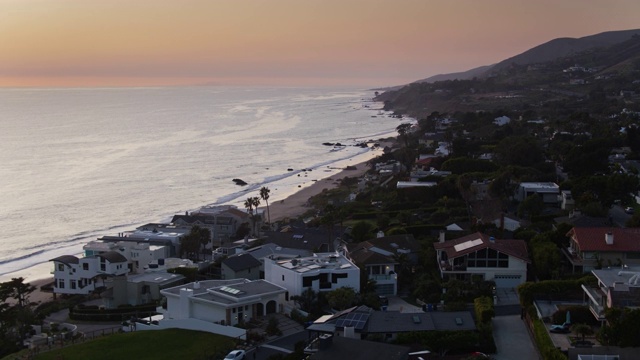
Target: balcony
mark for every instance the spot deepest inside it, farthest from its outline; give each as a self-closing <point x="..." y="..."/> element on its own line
<point x="595" y="297"/>
<point x="383" y="277"/>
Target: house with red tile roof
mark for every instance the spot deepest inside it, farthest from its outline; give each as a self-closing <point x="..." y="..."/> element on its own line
<point x="600" y="247"/>
<point x="478" y="254"/>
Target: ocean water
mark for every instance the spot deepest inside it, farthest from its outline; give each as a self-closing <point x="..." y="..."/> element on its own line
<point x="77" y="164"/>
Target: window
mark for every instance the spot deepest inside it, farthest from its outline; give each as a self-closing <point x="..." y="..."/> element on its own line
<point x="282" y="277"/>
<point x="61" y="283"/>
<point x="60" y="267"/>
<point x="73" y="284"/>
<point x="85" y="266"/>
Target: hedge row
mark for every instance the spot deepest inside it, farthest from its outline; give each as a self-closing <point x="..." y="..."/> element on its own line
<point x="94" y="313"/>
<point x="483" y="307"/>
<point x="544" y="343"/>
<point x="550" y="289"/>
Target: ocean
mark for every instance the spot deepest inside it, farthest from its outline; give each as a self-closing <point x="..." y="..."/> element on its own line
<point x="80" y="163"/>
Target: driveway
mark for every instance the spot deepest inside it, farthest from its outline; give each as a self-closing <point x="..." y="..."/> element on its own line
<point x="512" y="339"/>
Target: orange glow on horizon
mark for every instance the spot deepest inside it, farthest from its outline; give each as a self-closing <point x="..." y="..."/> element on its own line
<point x="288" y="42"/>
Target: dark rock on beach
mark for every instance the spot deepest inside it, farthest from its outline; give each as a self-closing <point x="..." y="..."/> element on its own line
<point x="239" y="182"/>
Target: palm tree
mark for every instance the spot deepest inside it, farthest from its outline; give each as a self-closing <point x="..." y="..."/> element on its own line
<point x="250" y="204"/>
<point x="264" y="194"/>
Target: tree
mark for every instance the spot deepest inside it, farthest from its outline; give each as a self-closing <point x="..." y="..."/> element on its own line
<point x="361" y="231"/>
<point x="582" y="330"/>
<point x="16" y="314"/>
<point x="403" y="132"/>
<point x="532" y="206"/>
<point x="264" y="195"/>
<point x="306" y="300"/>
<point x="341" y="298"/>
<point x="250" y="204"/>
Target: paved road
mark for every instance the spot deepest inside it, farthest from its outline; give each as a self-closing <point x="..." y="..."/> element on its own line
<point x="512" y="339"/>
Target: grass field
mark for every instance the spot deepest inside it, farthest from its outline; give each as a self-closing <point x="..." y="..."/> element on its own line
<point x="160" y="344"/>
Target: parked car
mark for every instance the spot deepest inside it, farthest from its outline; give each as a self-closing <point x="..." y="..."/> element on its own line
<point x="629" y="210"/>
<point x="560" y="329"/>
<point x="235" y="355"/>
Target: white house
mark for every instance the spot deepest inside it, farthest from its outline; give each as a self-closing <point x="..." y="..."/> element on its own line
<point x="548" y="191"/>
<point x="321" y="272"/>
<point x="75" y="275"/>
<point x="138" y="254"/>
<point x="503" y="261"/>
<point x="224" y="302"/>
<point x="502" y="120"/>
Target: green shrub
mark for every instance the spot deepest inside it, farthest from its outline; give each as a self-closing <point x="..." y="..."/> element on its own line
<point x="484" y="310"/>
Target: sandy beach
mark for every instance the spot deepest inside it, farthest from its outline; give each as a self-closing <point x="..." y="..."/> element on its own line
<point x="296" y="204"/>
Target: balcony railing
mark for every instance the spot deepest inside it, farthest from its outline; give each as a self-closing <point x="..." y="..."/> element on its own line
<point x="382" y="277"/>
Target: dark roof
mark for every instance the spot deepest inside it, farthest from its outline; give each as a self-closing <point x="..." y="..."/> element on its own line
<point x="317" y="241"/>
<point x="360" y="254"/>
<point x="593" y="239"/>
<point x="67" y="259"/>
<point x="397" y="322"/>
<point x="113" y="257"/>
<point x="394" y="242"/>
<point x="584" y="221"/>
<point x="343" y="348"/>
<point x="512" y="247"/>
<point x="203" y="219"/>
<point x="241" y="262"/>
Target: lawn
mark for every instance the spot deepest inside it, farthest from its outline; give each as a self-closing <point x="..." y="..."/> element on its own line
<point x="157" y="344"/>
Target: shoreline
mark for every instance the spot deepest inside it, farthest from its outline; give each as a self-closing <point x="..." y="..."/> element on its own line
<point x="290" y="207"/>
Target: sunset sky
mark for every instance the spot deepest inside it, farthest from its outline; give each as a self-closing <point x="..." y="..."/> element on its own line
<point x="280" y="42"/>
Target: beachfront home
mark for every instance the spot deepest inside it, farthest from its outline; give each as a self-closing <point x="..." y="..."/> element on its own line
<point x="222" y="221"/>
<point x="73" y="275"/>
<point x="138" y="289"/>
<point x="224" y="302"/>
<point x="592" y="248"/>
<point x="480" y="255"/>
<point x="158" y="238"/>
<point x="320" y="272"/>
<point x="139" y="254"/>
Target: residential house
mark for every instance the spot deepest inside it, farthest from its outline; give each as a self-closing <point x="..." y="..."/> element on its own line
<point x="222" y="221"/>
<point x="224" y="302"/>
<point x="548" y="191"/>
<point x="329" y="347"/>
<point x="139" y="254"/>
<point x="616" y="288"/>
<point x="157" y="238"/>
<point x="478" y="254"/>
<point x="314" y="240"/>
<point x="382" y="258"/>
<point x="275" y="252"/>
<point x="362" y="322"/>
<point x="73" y="275"/>
<point x="320" y="272"/>
<point x="567" y="201"/>
<point x="506" y="223"/>
<point x="242" y="265"/>
<point x="138" y="289"/>
<point x="591" y="248"/>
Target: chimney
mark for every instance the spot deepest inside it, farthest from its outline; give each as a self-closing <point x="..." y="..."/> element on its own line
<point x="442" y="238"/>
<point x="196" y="285"/>
<point x="246" y="239"/>
<point x="608" y="238"/>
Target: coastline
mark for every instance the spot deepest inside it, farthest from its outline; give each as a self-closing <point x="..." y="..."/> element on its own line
<point x="292" y="206"/>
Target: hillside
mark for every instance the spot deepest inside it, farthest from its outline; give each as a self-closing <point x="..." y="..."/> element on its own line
<point x="549" y="51"/>
<point x="562" y="84"/>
